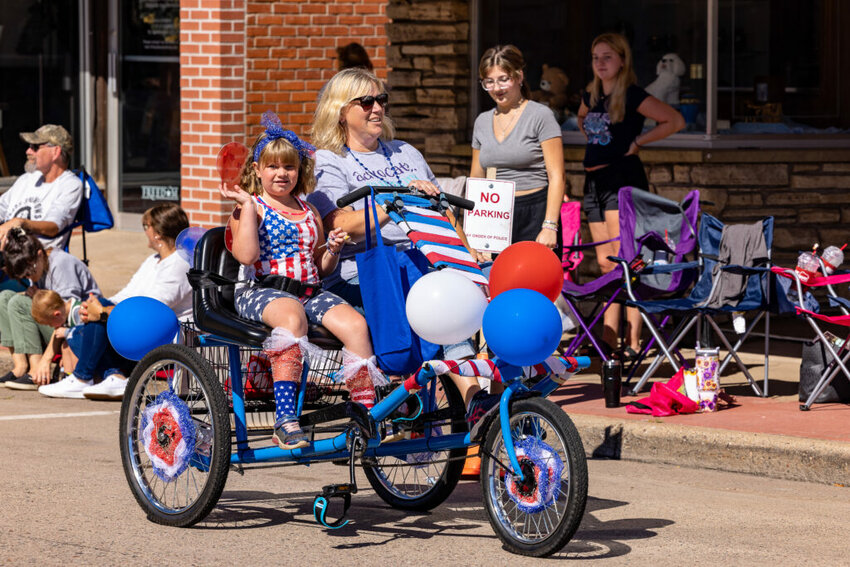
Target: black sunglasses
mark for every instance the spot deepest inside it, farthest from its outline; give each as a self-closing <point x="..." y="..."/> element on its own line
<point x="368" y="101"/>
<point x="36" y="147"/>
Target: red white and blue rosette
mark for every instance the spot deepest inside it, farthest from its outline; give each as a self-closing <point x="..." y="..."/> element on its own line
<point x="538" y="493"/>
<point x="168" y="435"/>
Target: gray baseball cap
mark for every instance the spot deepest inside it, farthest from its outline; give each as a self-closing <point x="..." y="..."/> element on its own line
<point x="50" y="134"/>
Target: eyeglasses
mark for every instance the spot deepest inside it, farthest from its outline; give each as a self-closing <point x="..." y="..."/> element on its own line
<point x="490" y="84"/>
<point x="36" y="147"/>
<point x="368" y="101"/>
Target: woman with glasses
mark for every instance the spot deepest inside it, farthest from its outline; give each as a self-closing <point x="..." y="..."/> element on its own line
<point x="354" y="136"/>
<point x="521" y="139"/>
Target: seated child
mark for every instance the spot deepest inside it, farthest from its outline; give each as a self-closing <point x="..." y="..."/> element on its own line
<point x="90" y="353"/>
<point x="279" y="240"/>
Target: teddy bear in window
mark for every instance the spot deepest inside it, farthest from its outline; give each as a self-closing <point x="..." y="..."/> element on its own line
<point x="553" y="91"/>
<point x="665" y="87"/>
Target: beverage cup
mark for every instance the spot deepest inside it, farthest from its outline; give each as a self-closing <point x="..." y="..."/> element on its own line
<point x="832" y="258"/>
<point x="611" y="383"/>
<point x="807" y="266"/>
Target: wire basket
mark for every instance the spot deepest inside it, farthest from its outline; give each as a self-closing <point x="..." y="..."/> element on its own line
<point x="322" y="387"/>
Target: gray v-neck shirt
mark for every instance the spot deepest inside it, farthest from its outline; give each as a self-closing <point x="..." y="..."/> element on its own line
<point x="519" y="157"/>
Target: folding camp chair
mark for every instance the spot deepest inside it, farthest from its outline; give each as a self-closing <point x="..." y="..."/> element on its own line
<point x="652" y="228"/>
<point x="840" y="356"/>
<point x="758" y="294"/>
<point x="93" y="215"/>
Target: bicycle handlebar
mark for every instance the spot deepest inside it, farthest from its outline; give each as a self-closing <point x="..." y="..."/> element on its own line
<point x="364" y="191"/>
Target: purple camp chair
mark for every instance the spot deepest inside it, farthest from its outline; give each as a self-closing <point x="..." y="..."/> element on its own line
<point x="660" y="232"/>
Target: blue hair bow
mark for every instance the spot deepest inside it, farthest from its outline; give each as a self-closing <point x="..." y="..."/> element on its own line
<point x="275" y="131"/>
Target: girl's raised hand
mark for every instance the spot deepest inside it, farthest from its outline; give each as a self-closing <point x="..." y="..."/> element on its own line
<point x="234" y="193"/>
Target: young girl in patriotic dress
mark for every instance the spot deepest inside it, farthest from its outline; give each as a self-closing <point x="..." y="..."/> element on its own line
<point x="278" y="238"/>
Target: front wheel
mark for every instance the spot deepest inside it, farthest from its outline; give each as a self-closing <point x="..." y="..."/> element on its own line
<point x="538" y="514"/>
<point x="175" y="436"/>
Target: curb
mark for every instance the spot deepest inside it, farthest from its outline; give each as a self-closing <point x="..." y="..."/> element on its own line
<point x="761" y="454"/>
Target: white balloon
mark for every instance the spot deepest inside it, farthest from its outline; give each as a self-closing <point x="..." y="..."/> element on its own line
<point x="445" y="307"/>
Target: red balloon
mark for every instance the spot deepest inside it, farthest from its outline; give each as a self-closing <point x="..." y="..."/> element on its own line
<point x="230" y="160"/>
<point x="528" y="265"/>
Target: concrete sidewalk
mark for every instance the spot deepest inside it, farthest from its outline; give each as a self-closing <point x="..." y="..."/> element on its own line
<point x="762" y="436"/>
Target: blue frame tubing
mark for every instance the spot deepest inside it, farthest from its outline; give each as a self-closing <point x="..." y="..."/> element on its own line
<point x="337" y="447"/>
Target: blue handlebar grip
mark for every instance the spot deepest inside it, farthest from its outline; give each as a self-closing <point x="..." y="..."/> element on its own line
<point x="583" y="362"/>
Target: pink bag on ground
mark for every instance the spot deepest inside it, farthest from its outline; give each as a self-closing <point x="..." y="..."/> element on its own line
<point x="665" y="399"/>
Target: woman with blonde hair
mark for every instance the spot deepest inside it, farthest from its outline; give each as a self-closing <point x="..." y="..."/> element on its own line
<point x="522" y="140"/>
<point x="354" y="136"/>
<point x="611" y="117"/>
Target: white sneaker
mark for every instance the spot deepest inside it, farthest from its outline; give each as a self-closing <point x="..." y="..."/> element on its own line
<point x="68" y="387"/>
<point x="111" y="388"/>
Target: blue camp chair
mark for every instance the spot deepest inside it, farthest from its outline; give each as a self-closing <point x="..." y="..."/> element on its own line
<point x="759" y="296"/>
<point x="93" y="215"/>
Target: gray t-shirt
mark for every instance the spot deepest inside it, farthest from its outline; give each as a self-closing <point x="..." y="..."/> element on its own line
<point x="68" y="276"/>
<point x="519" y="157"/>
<point x="337" y="176"/>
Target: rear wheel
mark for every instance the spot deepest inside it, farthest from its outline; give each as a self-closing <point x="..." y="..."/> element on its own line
<point x="538" y="514"/>
<point x="175" y="436"/>
<point x="422" y="481"/>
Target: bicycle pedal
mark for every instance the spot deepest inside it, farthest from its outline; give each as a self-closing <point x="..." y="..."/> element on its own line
<point x="333" y="490"/>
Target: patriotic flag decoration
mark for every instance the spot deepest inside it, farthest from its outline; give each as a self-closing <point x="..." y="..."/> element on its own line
<point x="433" y="234"/>
<point x="168" y="433"/>
<point x="546" y="467"/>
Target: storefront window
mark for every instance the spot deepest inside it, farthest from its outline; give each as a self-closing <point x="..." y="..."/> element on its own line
<point x="150" y="104"/>
<point x="38" y="64"/>
<point x="778" y="64"/>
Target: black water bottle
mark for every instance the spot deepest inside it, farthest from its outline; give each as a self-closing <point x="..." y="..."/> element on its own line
<point x="611" y="382"/>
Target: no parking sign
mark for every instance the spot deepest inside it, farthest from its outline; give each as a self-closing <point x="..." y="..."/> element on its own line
<point x="488" y="226"/>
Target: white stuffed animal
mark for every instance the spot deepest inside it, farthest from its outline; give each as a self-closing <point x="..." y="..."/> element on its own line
<point x="666" y="86"/>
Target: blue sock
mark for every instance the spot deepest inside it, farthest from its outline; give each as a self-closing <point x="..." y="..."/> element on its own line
<point x="284" y="397"/>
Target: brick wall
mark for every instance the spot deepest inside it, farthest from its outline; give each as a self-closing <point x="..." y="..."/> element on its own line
<point x="239" y="59"/>
<point x="291" y="52"/>
<point x="212" y="99"/>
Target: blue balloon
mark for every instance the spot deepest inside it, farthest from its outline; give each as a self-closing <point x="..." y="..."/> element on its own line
<point x="138" y="325"/>
<point x="522" y="326"/>
<point x="186" y="242"/>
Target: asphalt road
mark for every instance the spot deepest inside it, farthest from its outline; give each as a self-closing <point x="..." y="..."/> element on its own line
<point x="65" y="502"/>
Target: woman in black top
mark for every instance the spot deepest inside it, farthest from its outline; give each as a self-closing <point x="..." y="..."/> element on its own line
<point x="611" y="116"/>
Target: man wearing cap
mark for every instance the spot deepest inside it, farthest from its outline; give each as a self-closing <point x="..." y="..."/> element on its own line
<point x="45" y="199"/>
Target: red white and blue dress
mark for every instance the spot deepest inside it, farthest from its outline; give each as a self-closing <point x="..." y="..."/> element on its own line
<point x="286" y="249"/>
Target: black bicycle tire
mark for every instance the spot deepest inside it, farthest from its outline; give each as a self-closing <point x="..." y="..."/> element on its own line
<point x="220" y="457"/>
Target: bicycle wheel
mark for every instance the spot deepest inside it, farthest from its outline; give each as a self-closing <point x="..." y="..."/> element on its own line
<point x="538" y="515"/>
<point x="422" y="481"/>
<point x="175" y="436"/>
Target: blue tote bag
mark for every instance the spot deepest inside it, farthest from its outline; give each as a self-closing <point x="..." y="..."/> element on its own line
<point x="386" y="276"/>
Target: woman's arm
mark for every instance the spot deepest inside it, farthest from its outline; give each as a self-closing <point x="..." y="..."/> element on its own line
<point x="476" y="170"/>
<point x="668" y="119"/>
<point x="553" y="156"/>
<point x="582" y="114"/>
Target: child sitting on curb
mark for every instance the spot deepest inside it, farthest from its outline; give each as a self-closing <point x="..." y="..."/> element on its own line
<point x="88" y="356"/>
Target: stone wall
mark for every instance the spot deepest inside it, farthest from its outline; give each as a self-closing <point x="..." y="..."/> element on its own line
<point x="429" y="56"/>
